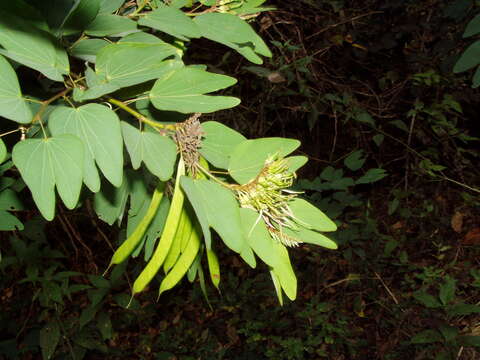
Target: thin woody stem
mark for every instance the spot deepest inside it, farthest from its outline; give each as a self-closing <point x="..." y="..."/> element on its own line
<point x="139" y="116"/>
<point x="38" y="115"/>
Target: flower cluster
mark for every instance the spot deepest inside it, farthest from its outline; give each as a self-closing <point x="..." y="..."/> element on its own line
<point x="268" y="194"/>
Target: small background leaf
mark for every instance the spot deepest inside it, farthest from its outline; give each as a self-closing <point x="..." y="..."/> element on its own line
<point x="469" y="58"/>
<point x="49" y="338"/>
<point x="355" y="160"/>
<point x="372" y="175"/>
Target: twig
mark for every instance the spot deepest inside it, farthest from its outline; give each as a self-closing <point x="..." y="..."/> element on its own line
<point x="386" y="288"/>
<point x="344" y="22"/>
<point x="140" y="117"/>
<point x="409" y="141"/>
<point x="334" y="145"/>
<point x="38" y="115"/>
<point x="95" y="224"/>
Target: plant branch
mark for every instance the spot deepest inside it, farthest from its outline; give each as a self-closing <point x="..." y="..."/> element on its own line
<point x="38" y="115"/>
<point x="214" y="178"/>
<point x="141" y="117"/>
<point x="9" y="132"/>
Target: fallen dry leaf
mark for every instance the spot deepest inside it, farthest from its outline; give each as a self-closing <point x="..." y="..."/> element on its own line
<point x="398" y="225"/>
<point x="276" y="77"/>
<point x="472" y="237"/>
<point x="457" y="222"/>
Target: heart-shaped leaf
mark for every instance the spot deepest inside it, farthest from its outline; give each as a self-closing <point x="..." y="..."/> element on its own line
<point x="3" y="151"/>
<point x="218" y="143"/>
<point x="248" y="158"/>
<point x="270" y="251"/>
<point x="157" y="152"/>
<point x="216" y="207"/>
<point x="32" y="47"/>
<point x="183" y="90"/>
<point x="50" y="162"/>
<point x="171" y="21"/>
<point x="8" y="222"/>
<point x="109" y="25"/>
<point x="99" y="129"/>
<point x="12" y="105"/>
<point x="310" y="237"/>
<point x="235" y="33"/>
<point x="311" y="217"/>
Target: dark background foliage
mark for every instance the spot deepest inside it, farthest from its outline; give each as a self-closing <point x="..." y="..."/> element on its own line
<point x="369" y="81"/>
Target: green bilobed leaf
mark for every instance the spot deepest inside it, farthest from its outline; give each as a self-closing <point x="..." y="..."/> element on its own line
<point x="449" y="332"/>
<point x="8" y="222"/>
<point x="111" y="25"/>
<point x="30" y="13"/>
<point x="156" y="228"/>
<point x="218" y="143"/>
<point x="469" y="340"/>
<point x="462" y="309"/>
<point x="296" y="162"/>
<point x="427" y="337"/>
<point x="183" y="90"/>
<point x="99" y="129"/>
<point x="125" y="64"/>
<point x="235" y="33"/>
<point x="270" y="251"/>
<point x="104" y="325"/>
<point x="32" y="47"/>
<point x="55" y="12"/>
<point x="9" y="200"/>
<point x="109" y="202"/>
<point x="248" y="158"/>
<point x="143" y="38"/>
<point x="139" y="195"/>
<point x="81" y="14"/>
<point x="110" y="6"/>
<point x="46" y="163"/>
<point x="97" y="86"/>
<point x="469" y="59"/>
<point x="87" y="49"/>
<point x="473" y="27"/>
<point x="476" y="78"/>
<point x="365" y="117"/>
<point x="371" y="176"/>
<point x="171" y="21"/>
<point x="447" y="291"/>
<point x="215" y="207"/>
<point x="310" y="237"/>
<point x="427" y="299"/>
<point x="49" y="338"/>
<point x="278" y="287"/>
<point x="355" y="160"/>
<point x="156" y="151"/>
<point x="251" y="7"/>
<point x="311" y="217"/>
<point x="3" y="149"/>
<point x="12" y="105"/>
